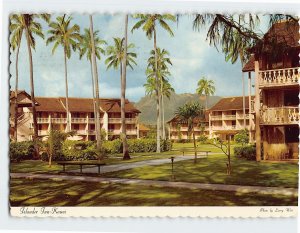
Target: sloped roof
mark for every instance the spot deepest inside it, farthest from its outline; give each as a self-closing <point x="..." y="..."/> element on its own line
<point x="284" y="33"/>
<point x="24" y="99"/>
<point x="48" y="104"/>
<point x="231" y="103"/>
<point x="57" y="104"/>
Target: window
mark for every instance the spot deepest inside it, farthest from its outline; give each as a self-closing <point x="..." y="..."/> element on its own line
<point x="291" y="134"/>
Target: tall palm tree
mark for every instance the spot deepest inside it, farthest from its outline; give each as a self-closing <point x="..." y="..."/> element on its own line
<point x="162" y="72"/>
<point x="68" y="36"/>
<point x="16" y="29"/>
<point x="119" y="58"/>
<point x="206" y="87"/>
<point x="32" y="28"/>
<point x="148" y="23"/>
<point x="188" y="114"/>
<point x="86" y="48"/>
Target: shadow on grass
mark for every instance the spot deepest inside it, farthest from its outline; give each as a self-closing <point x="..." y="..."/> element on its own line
<point x="70" y="193"/>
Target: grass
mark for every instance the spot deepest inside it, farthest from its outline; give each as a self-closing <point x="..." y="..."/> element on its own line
<point x="42" y="167"/>
<point x="69" y="193"/>
<point x="213" y="170"/>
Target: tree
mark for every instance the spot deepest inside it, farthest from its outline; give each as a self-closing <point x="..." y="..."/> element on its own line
<point x="188" y="114"/>
<point x="86" y="48"/>
<point x="242" y="137"/>
<point x="120" y="57"/>
<point x="16" y="29"/>
<point x="54" y="143"/>
<point x="166" y="90"/>
<point x="68" y="36"/>
<point x="31" y="28"/>
<point x="206" y="87"/>
<point x="148" y="23"/>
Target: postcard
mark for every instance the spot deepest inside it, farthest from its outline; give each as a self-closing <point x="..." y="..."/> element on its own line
<point x="153" y="114"/>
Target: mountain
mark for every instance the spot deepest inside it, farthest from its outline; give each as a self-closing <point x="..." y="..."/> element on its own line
<point x="147" y="105"/>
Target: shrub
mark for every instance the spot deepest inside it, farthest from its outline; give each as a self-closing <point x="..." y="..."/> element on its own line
<point x="112" y="147"/>
<point x="19" y="151"/>
<point x="247" y="152"/>
<point x="74" y="150"/>
<point x="242" y="137"/>
<point x="202" y="138"/>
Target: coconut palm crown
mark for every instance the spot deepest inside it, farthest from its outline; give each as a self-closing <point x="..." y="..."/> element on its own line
<point x="206" y="87"/>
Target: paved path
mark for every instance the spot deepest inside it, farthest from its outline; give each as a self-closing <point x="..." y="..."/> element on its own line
<point x="130" y="165"/>
<point x="171" y="184"/>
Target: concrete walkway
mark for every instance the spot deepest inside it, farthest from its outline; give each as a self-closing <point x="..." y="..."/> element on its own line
<point x="130" y="165"/>
<point x="171" y="184"/>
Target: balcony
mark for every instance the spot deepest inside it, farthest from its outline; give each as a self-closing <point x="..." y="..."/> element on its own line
<point x="79" y="120"/>
<point x="241" y="116"/>
<point x="230" y="127"/>
<point x="118" y="120"/>
<point x="216" y="118"/>
<point x="229" y="117"/>
<point x="92" y="120"/>
<point x="43" y="120"/>
<point x="280" y="116"/>
<point x="118" y="131"/>
<point x="278" y="77"/>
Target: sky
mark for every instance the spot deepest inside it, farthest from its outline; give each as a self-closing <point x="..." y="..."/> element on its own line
<point x="190" y="53"/>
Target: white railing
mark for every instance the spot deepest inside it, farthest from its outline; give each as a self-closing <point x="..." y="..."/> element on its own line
<point x="231" y="127"/>
<point x="279" y="77"/>
<point x="280" y="115"/>
<point x="241" y="116"/>
<point x="59" y="120"/>
<point x="78" y="120"/>
<point x="42" y="120"/>
<point x="92" y="120"/>
<point x="219" y="117"/>
<point x="118" y="120"/>
<point x="229" y="117"/>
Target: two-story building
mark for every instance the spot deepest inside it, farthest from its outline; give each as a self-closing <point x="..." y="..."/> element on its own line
<point x="51" y="113"/>
<point x="227" y="117"/>
<point x="275" y="62"/>
<point x="179" y="130"/>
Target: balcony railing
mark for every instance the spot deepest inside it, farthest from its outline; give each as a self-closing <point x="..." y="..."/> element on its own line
<point x="229" y="117"/>
<point x="280" y="115"/>
<point x="42" y="120"/>
<point x="231" y="127"/>
<point x="218" y="117"/>
<point x="118" y="120"/>
<point x="241" y="116"/>
<point x="43" y="132"/>
<point x="279" y="77"/>
<point x="78" y="120"/>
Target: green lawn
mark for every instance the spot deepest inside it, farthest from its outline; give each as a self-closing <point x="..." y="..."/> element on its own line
<point x="68" y="193"/>
<point x="40" y="166"/>
<point x="213" y="170"/>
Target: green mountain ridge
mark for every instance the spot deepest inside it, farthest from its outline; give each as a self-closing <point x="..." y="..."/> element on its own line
<point x="147" y="105"/>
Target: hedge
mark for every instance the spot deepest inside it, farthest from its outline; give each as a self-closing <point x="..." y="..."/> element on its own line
<point x="19" y="151"/>
<point x="248" y="152"/>
<point x="81" y="150"/>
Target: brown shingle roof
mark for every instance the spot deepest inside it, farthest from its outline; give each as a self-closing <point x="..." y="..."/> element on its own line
<point x="231" y="103"/>
<point x="24" y="99"/>
<point x="48" y="104"/>
<point x="82" y="105"/>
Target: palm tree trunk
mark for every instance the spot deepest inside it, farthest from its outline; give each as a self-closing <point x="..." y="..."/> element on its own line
<point x="163" y="117"/>
<point x="206" y="102"/>
<point x="158" y="129"/>
<point x="123" y="94"/>
<point x="94" y="99"/>
<point x="68" y="129"/>
<point x="16" y="92"/>
<point x="35" y="127"/>
<point x="195" y="147"/>
<point x="95" y="73"/>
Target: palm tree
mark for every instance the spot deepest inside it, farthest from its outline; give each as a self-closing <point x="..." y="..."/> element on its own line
<point x="148" y="23"/>
<point x="188" y="114"/>
<point x="16" y="29"/>
<point x="67" y="35"/>
<point x="28" y="23"/>
<point x="87" y="49"/>
<point x="118" y="55"/>
<point x="206" y="87"/>
<point x="162" y="72"/>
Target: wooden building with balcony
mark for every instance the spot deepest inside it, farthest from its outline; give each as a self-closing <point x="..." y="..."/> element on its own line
<point x="227" y="117"/>
<point x="275" y="62"/>
<point x="51" y="114"/>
